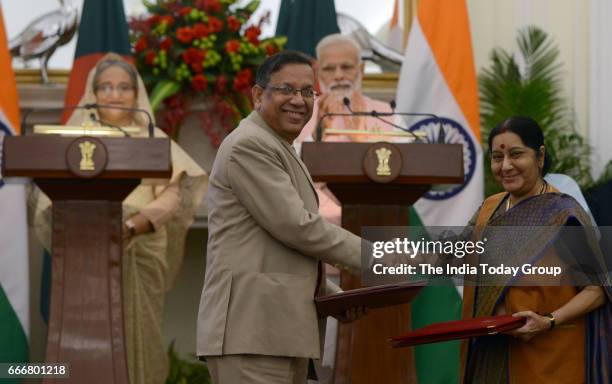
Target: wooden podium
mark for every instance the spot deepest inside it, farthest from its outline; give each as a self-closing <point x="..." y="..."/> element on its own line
<point x="87" y="178"/>
<point x="363" y="354"/>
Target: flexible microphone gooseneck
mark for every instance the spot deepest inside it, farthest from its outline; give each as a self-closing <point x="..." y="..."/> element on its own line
<point x="27" y="113"/>
<point x="94" y="118"/>
<point x="150" y="126"/>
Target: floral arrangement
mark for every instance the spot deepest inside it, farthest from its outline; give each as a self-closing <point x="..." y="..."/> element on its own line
<point x="189" y="49"/>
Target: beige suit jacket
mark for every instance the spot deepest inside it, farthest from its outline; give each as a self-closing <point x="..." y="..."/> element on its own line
<point x="264" y="246"/>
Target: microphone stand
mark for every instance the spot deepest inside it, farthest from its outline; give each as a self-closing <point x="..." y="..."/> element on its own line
<point x="150" y="126"/>
<point x="93" y="117"/>
<point x="50" y="109"/>
<point x="379" y="115"/>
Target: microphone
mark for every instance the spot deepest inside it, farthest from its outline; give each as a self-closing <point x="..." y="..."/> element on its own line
<point x="441" y="132"/>
<point x="150" y="126"/>
<point x="346" y="102"/>
<point x="392" y="105"/>
<point x="24" y="119"/>
<point x="93" y="117"/>
<point x="377" y="115"/>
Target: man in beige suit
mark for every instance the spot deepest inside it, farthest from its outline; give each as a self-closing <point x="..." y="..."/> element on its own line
<point x="257" y="320"/>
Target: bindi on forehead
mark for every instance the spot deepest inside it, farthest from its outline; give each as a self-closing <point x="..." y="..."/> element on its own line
<point x="503" y="146"/>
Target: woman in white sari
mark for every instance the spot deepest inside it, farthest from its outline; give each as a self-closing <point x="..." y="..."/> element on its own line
<point x="156" y="218"/>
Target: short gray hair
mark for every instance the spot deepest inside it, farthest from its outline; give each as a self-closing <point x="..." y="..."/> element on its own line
<point x="337" y="39"/>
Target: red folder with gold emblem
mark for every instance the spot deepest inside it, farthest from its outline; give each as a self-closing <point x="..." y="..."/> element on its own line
<point x="370" y="297"/>
<point x="459" y="329"/>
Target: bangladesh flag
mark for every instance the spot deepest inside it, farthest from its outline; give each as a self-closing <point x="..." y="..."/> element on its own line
<point x="103" y="29"/>
<point x="305" y="22"/>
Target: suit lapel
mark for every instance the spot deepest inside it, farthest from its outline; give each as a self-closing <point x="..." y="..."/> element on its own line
<point x="259" y="121"/>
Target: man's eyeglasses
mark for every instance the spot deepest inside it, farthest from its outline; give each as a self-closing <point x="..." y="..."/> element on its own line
<point x="108" y="88"/>
<point x="287" y="90"/>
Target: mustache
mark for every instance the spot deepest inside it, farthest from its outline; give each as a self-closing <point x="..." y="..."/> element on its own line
<point x="342" y="83"/>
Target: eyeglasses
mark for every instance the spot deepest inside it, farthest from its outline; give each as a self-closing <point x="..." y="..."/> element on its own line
<point x="108" y="88"/>
<point x="307" y="93"/>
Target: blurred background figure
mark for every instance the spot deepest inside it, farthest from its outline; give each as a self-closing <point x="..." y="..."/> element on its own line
<point x="156" y="218"/>
<point x="340" y="74"/>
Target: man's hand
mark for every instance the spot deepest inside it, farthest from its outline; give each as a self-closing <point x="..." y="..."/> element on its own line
<point x="329" y="103"/>
<point x="352" y="314"/>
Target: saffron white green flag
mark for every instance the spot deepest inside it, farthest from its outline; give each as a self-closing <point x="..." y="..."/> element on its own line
<point x="14" y="281"/>
<point x="438" y="76"/>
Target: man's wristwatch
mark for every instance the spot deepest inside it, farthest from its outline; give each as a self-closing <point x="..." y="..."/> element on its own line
<point x="551" y="318"/>
<point x="131" y="226"/>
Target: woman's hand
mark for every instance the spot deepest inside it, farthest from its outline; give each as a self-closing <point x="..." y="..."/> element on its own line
<point x="535" y="325"/>
<point x="139" y="224"/>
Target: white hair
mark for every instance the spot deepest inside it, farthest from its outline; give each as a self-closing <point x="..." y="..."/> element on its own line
<point x="337" y="39"/>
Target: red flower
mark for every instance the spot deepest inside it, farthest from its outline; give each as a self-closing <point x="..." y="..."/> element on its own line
<point x="212" y="5"/>
<point x="165" y="44"/>
<point x="152" y="20"/>
<point x="194" y="58"/>
<point x="270" y="49"/>
<point x="200" y="30"/>
<point x="150" y="56"/>
<point x="184" y="35"/>
<point x="199" y="82"/>
<point x="232" y="46"/>
<point x="141" y="44"/>
<point x="169" y="20"/>
<point x="221" y="84"/>
<point x="193" y="55"/>
<point x="243" y="80"/>
<point x="214" y="24"/>
<point x="173" y="114"/>
<point x="172" y="6"/>
<point x="233" y="23"/>
<point x="185" y="11"/>
<point x="252" y="34"/>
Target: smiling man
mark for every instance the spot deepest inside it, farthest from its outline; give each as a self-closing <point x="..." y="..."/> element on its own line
<point x="257" y="320"/>
<point x="340" y="73"/>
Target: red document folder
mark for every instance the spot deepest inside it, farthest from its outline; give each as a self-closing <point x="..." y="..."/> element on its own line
<point x="369" y="297"/>
<point x="459" y="329"/>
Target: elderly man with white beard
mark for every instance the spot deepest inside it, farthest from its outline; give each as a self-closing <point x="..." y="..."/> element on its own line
<point x="340" y="71"/>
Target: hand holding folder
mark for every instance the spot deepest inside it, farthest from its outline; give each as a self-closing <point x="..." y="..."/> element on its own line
<point x="459" y="329"/>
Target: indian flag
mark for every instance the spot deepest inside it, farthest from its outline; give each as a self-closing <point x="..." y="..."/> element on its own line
<point x="14" y="280"/>
<point x="438" y="76"/>
<point x="395" y="37"/>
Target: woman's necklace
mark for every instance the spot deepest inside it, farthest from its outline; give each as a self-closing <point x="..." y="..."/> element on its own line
<point x="543" y="189"/>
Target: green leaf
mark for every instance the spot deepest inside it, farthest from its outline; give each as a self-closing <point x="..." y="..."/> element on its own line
<point x="252" y="6"/>
<point x="163" y="90"/>
<point x="533" y="89"/>
<point x="278" y="40"/>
